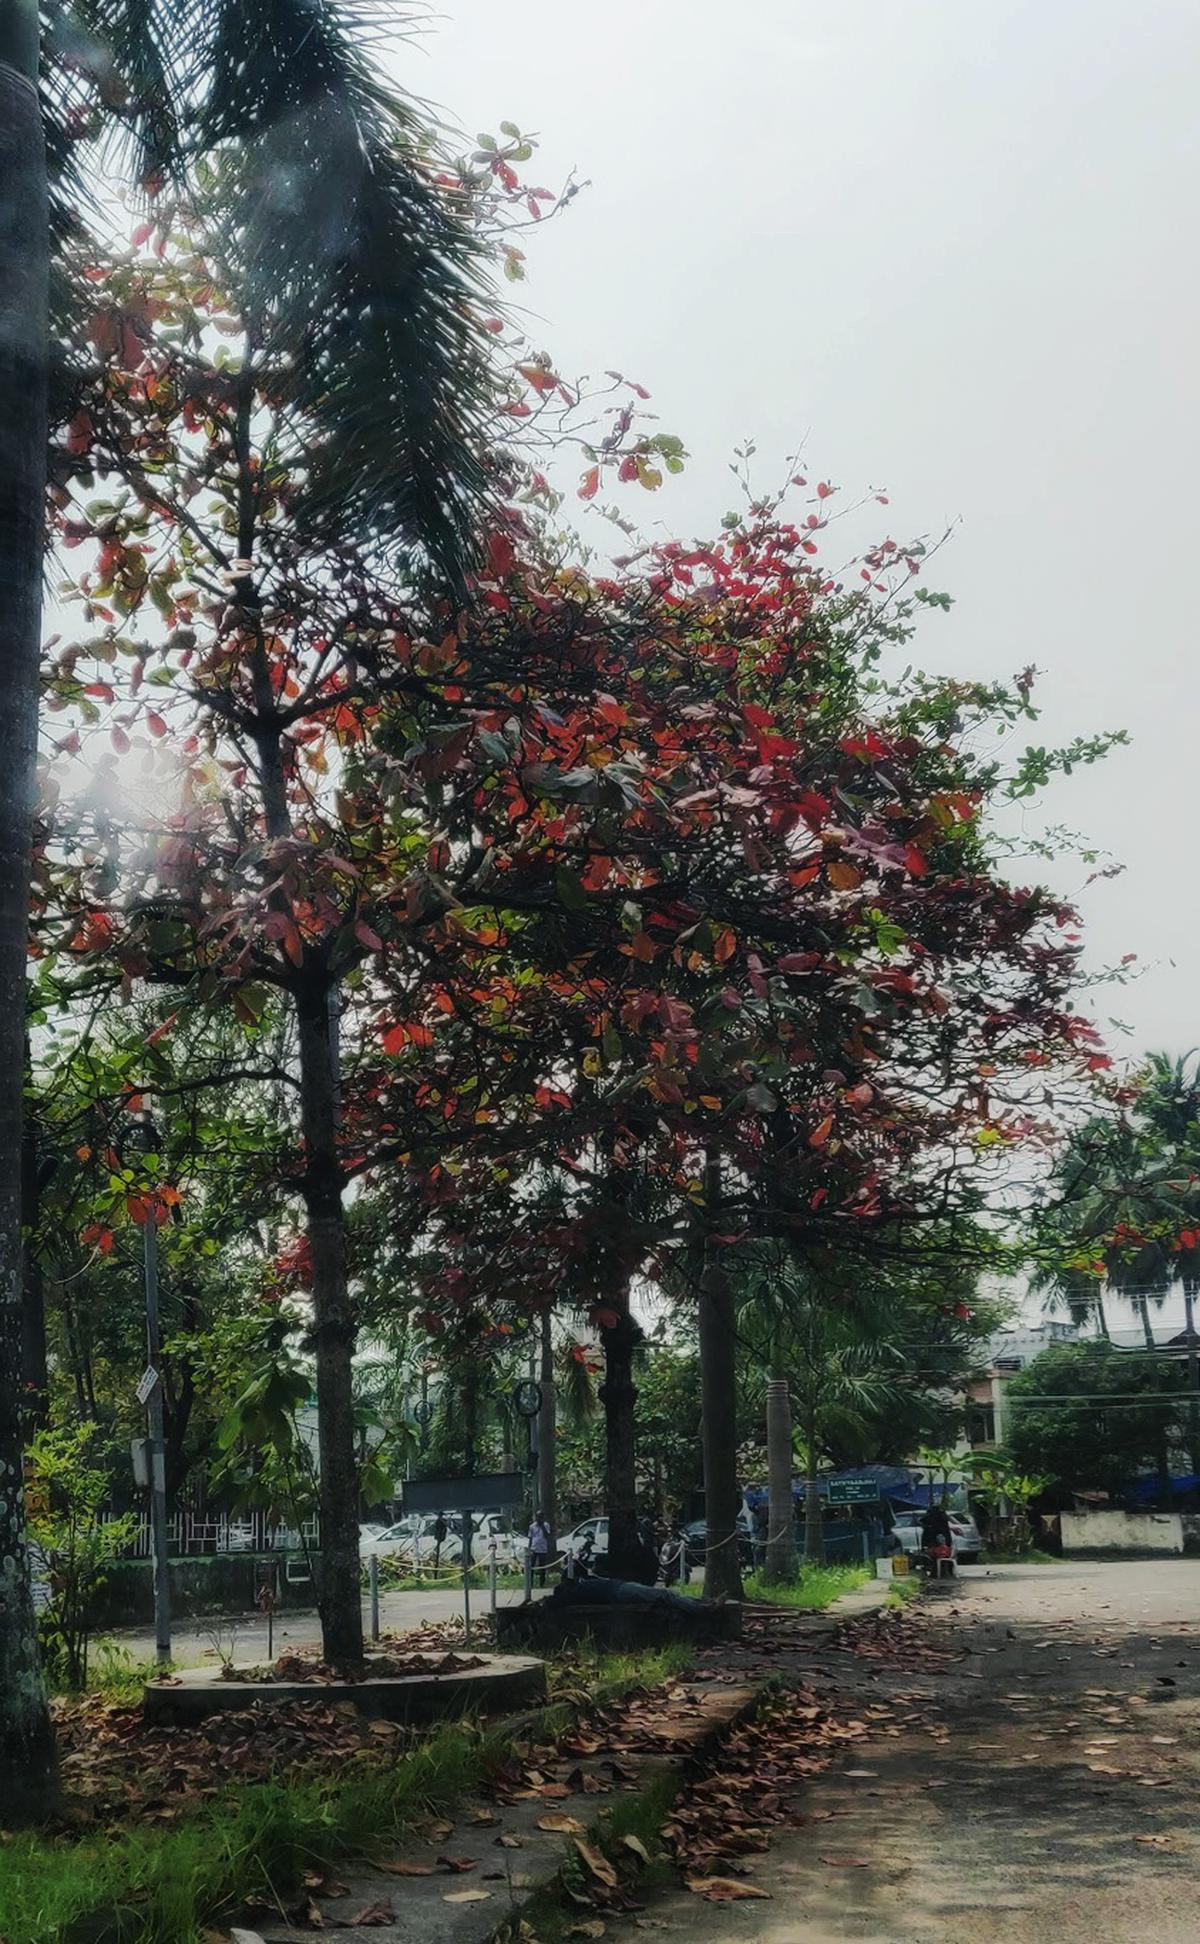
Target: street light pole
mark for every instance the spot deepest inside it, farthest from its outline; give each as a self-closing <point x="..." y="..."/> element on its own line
<point x="154" y="1418"/>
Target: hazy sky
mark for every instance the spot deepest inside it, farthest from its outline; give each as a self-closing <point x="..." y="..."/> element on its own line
<point x="951" y="245"/>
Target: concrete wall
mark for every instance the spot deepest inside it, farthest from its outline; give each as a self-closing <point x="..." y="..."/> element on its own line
<point x="1128" y="1532"/>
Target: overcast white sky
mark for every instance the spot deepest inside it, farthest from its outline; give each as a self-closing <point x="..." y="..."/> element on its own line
<point x="950" y="244"/>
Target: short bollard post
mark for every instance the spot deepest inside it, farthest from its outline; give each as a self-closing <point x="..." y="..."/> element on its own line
<point x="373" y="1581"/>
<point x="528" y="1577"/>
<point x="492" y="1576"/>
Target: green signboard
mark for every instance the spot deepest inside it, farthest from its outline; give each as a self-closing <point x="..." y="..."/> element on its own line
<point x="852" y="1491"/>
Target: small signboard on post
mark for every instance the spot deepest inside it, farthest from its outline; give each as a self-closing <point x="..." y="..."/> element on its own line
<point x="852" y="1491"/>
<point x="487" y="1492"/>
<point x="147" y="1384"/>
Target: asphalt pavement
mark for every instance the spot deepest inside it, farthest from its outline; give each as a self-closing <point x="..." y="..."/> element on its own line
<point x="195" y="1642"/>
<point x="1042" y="1786"/>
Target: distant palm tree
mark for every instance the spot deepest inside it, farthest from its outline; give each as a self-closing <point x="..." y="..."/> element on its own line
<point x="358" y="278"/>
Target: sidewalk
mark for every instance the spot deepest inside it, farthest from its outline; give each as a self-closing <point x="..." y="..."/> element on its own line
<point x="566" y="1803"/>
<point x="192" y="1640"/>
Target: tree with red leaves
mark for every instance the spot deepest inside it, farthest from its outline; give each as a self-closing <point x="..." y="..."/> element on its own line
<point x="737" y="956"/>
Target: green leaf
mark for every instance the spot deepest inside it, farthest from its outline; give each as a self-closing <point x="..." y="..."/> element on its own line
<point x="569" y="890"/>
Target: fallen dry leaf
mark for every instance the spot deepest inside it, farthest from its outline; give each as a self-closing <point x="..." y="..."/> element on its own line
<point x="599" y="1865"/>
<point x="458" y="1865"/>
<point x="636" y="1844"/>
<point x="561" y="1825"/>
<point x="398" y="1867"/>
<point x="720" y="1889"/>
<point x="466" y="1896"/>
<point x="847" y="1862"/>
<point x="374" y="1915"/>
<point x="594" y="1927"/>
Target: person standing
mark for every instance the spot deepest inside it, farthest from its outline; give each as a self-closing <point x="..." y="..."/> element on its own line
<point x="539" y="1547"/>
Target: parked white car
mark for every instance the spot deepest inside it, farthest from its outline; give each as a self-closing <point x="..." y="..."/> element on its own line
<point x="574" y="1542"/>
<point x="412" y="1539"/>
<point x="964" y="1532"/>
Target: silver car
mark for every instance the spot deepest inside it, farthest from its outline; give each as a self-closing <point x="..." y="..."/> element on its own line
<point x="965" y="1538"/>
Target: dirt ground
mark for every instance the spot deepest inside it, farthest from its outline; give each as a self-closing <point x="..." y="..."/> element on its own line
<point x="1041" y="1786"/>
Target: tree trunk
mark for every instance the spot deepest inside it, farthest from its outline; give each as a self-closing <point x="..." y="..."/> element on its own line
<point x="469" y="1397"/>
<point x="1164" y="1473"/>
<point x="334" y="1328"/>
<point x="333" y="1334"/>
<point x="718" y="1415"/>
<point x="26" y="1743"/>
<point x="781" y="1518"/>
<point x="1101" y="1317"/>
<point x="1147" y="1328"/>
<point x="814" y="1525"/>
<point x="547" y="1475"/>
<point x="34" y="1373"/>
<point x="1193" y="1379"/>
<point x="620" y="1449"/>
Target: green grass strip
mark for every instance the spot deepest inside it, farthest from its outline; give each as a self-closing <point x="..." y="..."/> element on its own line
<point x="144" y="1885"/>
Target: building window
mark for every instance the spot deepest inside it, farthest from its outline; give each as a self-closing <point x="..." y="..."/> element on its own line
<point x="981" y="1424"/>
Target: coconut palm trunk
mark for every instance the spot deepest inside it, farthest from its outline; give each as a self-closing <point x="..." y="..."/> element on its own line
<point x="718" y="1423"/>
<point x="781" y="1528"/>
<point x="547" y="1472"/>
<point x="814" y="1528"/>
<point x="619" y="1396"/>
<point x="26" y="1747"/>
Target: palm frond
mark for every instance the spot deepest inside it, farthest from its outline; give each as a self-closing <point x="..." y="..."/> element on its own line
<point x="356" y="268"/>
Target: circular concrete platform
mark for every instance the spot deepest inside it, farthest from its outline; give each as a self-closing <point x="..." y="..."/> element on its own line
<point x="504" y="1682"/>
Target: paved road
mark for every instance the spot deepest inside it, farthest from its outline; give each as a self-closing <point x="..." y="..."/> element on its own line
<point x="1044" y="1790"/>
<point x="193" y="1640"/>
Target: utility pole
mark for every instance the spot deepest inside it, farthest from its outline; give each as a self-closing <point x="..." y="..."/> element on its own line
<point x="151" y="1390"/>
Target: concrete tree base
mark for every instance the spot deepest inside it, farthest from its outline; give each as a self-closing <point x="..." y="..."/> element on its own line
<point x="505" y="1682"/>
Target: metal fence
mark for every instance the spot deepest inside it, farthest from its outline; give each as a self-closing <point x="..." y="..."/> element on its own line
<point x="192" y="1534"/>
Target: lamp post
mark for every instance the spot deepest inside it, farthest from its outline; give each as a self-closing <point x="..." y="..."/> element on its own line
<point x="150" y="1390"/>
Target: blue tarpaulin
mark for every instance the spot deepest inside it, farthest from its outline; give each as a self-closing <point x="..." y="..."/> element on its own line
<point x="1144" y="1489"/>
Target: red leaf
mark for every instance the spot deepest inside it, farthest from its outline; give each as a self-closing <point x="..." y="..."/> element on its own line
<point x="101" y="691"/>
<point x="591" y="483"/>
<point x="367" y="935"/>
<point x="395" y="1038"/>
<point x="821" y="1134"/>
<point x="501" y="556"/>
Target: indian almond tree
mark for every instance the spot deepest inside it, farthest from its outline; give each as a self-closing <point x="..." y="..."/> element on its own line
<point x="736" y="894"/>
<point x="279" y="851"/>
<point x="359" y="277"/>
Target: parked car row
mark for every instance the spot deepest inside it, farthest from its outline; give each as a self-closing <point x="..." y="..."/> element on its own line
<point x="413" y="1540"/>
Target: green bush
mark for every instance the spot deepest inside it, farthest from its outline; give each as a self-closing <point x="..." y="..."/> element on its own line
<point x="67" y="1492"/>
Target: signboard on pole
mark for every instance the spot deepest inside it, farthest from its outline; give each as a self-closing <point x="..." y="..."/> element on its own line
<point x="147" y="1384"/>
<point x="489" y="1492"/>
<point x="852" y="1491"/>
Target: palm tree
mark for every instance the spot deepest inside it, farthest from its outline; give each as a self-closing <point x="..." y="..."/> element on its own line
<point x="833" y="1356"/>
<point x="358" y="277"/>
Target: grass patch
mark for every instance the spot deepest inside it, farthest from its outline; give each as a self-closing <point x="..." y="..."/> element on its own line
<point x="606" y="1676"/>
<point x="154" y="1885"/>
<point x="903" y="1590"/>
<point x="814" y="1588"/>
